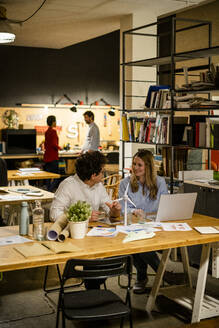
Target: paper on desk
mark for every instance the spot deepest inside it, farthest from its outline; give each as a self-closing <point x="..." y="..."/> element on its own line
<point x="24" y="173"/>
<point x="176" y="226"/>
<point x="16" y="239"/>
<point x="208" y="229"/>
<point x="33" y="249"/>
<point x="138" y="235"/>
<point x="201" y="180"/>
<point x="29" y="169"/>
<point x="65" y="247"/>
<point x="102" y="232"/>
<point x="135" y="228"/>
<point x="13" y="197"/>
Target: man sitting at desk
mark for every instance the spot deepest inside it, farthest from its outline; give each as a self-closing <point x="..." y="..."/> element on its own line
<point x="85" y="185"/>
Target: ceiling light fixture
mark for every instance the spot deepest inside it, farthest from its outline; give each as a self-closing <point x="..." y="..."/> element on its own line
<point x="6" y="34"/>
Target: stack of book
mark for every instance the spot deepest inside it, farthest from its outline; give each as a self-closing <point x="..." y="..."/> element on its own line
<point x="146" y="130"/>
<point x="157" y="96"/>
<point x="205" y="131"/>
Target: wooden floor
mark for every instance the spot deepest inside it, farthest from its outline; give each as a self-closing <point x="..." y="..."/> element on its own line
<point x="210" y="323"/>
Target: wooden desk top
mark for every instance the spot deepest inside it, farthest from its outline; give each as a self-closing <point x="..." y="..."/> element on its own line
<point x="202" y="184"/>
<point x="47" y="196"/>
<point x="15" y="175"/>
<point x="97" y="247"/>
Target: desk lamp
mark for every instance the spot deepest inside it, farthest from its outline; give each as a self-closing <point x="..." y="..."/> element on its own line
<point x="73" y="108"/>
<point x="111" y="112"/>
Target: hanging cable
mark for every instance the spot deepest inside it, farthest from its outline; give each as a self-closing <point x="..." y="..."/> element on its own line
<point x="22" y="21"/>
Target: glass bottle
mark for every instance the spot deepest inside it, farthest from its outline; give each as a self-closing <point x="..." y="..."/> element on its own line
<point x="24" y="220"/>
<point x="38" y="221"/>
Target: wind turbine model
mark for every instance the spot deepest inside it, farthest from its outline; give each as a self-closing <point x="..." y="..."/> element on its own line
<point x="126" y="200"/>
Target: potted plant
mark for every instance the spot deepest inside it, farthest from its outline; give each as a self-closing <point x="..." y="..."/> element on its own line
<point x="78" y="215"/>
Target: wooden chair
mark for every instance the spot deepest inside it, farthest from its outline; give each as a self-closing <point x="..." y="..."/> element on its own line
<point x="111" y="183"/>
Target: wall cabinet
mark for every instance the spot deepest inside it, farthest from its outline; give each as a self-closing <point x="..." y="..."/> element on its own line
<point x="207" y="199"/>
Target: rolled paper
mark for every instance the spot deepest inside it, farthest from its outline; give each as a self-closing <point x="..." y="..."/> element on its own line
<point x="57" y="227"/>
<point x="64" y="233"/>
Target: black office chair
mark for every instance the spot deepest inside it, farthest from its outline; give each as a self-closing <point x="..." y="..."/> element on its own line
<point x="95" y="304"/>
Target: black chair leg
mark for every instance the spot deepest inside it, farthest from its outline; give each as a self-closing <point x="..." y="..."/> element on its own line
<point x="130" y="320"/>
<point x="57" y="318"/>
<point x="59" y="276"/>
<point x="63" y="320"/>
<point x="45" y="280"/>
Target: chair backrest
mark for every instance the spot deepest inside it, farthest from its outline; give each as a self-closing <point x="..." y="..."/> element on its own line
<point x="111" y="183"/>
<point x="98" y="268"/>
<point x="3" y="173"/>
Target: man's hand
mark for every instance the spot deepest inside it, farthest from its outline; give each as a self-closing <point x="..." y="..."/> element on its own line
<point x="115" y="208"/>
<point x="94" y="215"/>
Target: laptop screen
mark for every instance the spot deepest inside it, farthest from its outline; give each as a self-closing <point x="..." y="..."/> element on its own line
<point x="176" y="206"/>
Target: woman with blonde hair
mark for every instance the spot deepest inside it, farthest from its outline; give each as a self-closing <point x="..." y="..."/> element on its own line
<point x="144" y="189"/>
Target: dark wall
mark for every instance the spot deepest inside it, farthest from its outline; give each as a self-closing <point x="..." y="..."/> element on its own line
<point x="164" y="29"/>
<point x="87" y="71"/>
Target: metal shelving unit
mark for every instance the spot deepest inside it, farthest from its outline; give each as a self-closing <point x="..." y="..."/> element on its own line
<point x="172" y="59"/>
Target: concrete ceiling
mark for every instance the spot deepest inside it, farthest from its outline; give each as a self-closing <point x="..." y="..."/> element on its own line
<point x="61" y="23"/>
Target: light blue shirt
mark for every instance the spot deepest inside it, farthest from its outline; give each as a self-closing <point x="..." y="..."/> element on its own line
<point x="142" y="201"/>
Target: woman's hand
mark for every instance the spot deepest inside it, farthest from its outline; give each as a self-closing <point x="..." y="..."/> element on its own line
<point x="139" y="213"/>
<point x="94" y="215"/>
<point x="114" y="207"/>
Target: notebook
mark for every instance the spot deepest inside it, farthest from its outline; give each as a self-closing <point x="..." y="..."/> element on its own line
<point x="175" y="207"/>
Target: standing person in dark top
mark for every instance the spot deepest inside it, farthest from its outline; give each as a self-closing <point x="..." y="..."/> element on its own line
<point x="51" y="156"/>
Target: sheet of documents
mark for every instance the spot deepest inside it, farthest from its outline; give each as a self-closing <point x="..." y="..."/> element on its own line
<point x="16" y="239"/>
<point x="18" y="197"/>
<point x="136" y="227"/>
<point x="175" y="226"/>
<point x="29" y="169"/>
<point x="66" y="247"/>
<point x="33" y="249"/>
<point x="12" y="197"/>
<point x="208" y="229"/>
<point x="138" y="235"/>
<point x="102" y="232"/>
<point x="201" y="180"/>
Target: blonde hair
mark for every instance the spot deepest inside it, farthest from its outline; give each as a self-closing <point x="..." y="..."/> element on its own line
<point x="150" y="174"/>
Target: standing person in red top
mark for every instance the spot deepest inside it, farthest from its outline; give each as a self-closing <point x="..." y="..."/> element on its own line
<point x="51" y="156"/>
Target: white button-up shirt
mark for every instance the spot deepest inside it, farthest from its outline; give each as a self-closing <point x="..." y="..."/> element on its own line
<point x="73" y="189"/>
<point x="92" y="140"/>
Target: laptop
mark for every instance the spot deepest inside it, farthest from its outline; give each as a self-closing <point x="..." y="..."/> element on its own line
<point x="175" y="207"/>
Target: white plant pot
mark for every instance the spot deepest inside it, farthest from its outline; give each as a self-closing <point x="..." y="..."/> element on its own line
<point x="78" y="230"/>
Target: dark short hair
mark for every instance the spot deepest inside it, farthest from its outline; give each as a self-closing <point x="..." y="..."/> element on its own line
<point x="90" y="114"/>
<point x="88" y="164"/>
<point x="50" y="120"/>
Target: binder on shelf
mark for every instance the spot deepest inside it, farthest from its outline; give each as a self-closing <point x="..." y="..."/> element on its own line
<point x="216" y="135"/>
<point x="156" y="89"/>
<point x="209" y="122"/>
<point x="202" y="134"/>
<point x="125" y="129"/>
